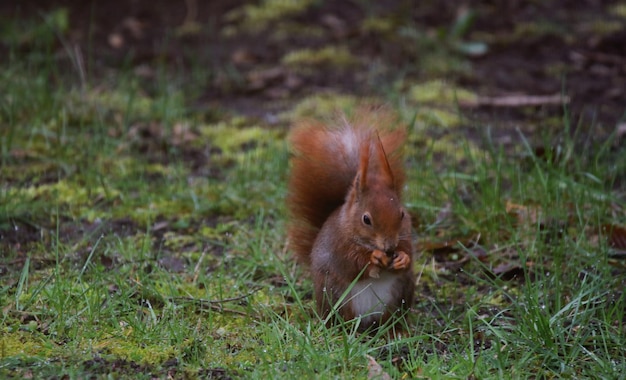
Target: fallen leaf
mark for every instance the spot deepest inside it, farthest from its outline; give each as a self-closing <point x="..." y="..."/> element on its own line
<point x="115" y="40"/>
<point x="375" y="371"/>
<point x="336" y="25"/>
<point x="134" y="26"/>
<point x="182" y="135"/>
<point x="160" y="225"/>
<point x="144" y="71"/>
<point x="243" y="56"/>
<point x="173" y="264"/>
<point x="479" y="253"/>
<point x="616" y="236"/>
<point x="189" y="28"/>
<point x="259" y="79"/>
<point x="524" y="215"/>
<point x="508" y="271"/>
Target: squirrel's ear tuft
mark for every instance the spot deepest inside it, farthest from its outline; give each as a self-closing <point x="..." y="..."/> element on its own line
<point x="364" y="159"/>
<point x="384" y="164"/>
<point x="355" y="193"/>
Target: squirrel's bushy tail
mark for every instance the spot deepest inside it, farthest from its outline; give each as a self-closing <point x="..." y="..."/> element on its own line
<point x="325" y="160"/>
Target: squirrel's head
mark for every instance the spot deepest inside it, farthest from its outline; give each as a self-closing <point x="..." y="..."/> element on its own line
<point x="374" y="204"/>
<point x="379" y="215"/>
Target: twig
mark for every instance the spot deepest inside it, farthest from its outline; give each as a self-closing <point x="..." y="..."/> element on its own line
<point x="598" y="57"/>
<point x="516" y="101"/>
<point x="217" y="304"/>
<point x="214" y="302"/>
<point x="221" y="309"/>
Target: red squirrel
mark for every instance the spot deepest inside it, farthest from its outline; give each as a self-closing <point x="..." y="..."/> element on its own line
<point x="348" y="224"/>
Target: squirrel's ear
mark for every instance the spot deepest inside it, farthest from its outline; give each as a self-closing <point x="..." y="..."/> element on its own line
<point x="361" y="177"/>
<point x="385" y="166"/>
<point x="354" y="194"/>
<point x="360" y="180"/>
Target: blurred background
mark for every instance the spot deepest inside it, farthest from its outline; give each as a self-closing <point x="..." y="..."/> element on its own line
<point x="511" y="61"/>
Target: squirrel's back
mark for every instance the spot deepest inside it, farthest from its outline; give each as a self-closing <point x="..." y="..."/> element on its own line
<point x="325" y="161"/>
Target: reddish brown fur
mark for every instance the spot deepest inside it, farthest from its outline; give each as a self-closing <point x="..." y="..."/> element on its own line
<point x="340" y="175"/>
<point x="322" y="170"/>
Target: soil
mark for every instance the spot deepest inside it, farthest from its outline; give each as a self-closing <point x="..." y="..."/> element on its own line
<point x="572" y="54"/>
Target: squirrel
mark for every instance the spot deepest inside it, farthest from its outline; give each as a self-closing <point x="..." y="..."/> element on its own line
<point x="348" y="223"/>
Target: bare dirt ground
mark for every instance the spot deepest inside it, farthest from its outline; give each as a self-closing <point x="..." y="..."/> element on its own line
<point x="574" y="48"/>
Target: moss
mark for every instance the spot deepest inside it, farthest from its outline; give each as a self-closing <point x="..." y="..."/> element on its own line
<point x="525" y="31"/>
<point x="432" y="117"/>
<point x="253" y="17"/>
<point x="440" y="92"/>
<point x="88" y="105"/>
<point x="603" y="27"/>
<point x="17" y="343"/>
<point x="42" y="32"/>
<point x="436" y="101"/>
<point x="219" y="231"/>
<point x="33" y="170"/>
<point x="618" y="10"/>
<point x="442" y="63"/>
<point x="286" y="30"/>
<point x="67" y="192"/>
<point x="382" y="25"/>
<point x="234" y="141"/>
<point x="338" y="56"/>
<point x="321" y="106"/>
<point x="129" y="349"/>
<point x="176" y="241"/>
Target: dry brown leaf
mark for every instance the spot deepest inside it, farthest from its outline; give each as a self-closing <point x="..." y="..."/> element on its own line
<point x="375" y="371"/>
<point x="616" y="236"/>
<point x="524" y="215"/>
<point x="134" y="26"/>
<point x="20" y="153"/>
<point x="115" y="40"/>
<point x="144" y="71"/>
<point x="479" y="253"/>
<point x="243" y="56"/>
<point x="337" y="26"/>
<point x="160" y="225"/>
<point x="173" y="264"/>
<point x="259" y="79"/>
<point x="508" y="271"/>
<point x="182" y="135"/>
<point x="189" y="28"/>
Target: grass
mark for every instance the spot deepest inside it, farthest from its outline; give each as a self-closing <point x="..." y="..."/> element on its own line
<point x="138" y="238"/>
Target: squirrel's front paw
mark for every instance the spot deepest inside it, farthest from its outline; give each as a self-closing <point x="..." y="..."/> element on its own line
<point x="401" y="261"/>
<point x="380" y="258"/>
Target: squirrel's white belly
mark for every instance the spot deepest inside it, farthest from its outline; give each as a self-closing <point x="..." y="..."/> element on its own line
<point x="369" y="297"/>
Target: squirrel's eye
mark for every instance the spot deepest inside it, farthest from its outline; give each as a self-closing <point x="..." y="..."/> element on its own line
<point x="367" y="220"/>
